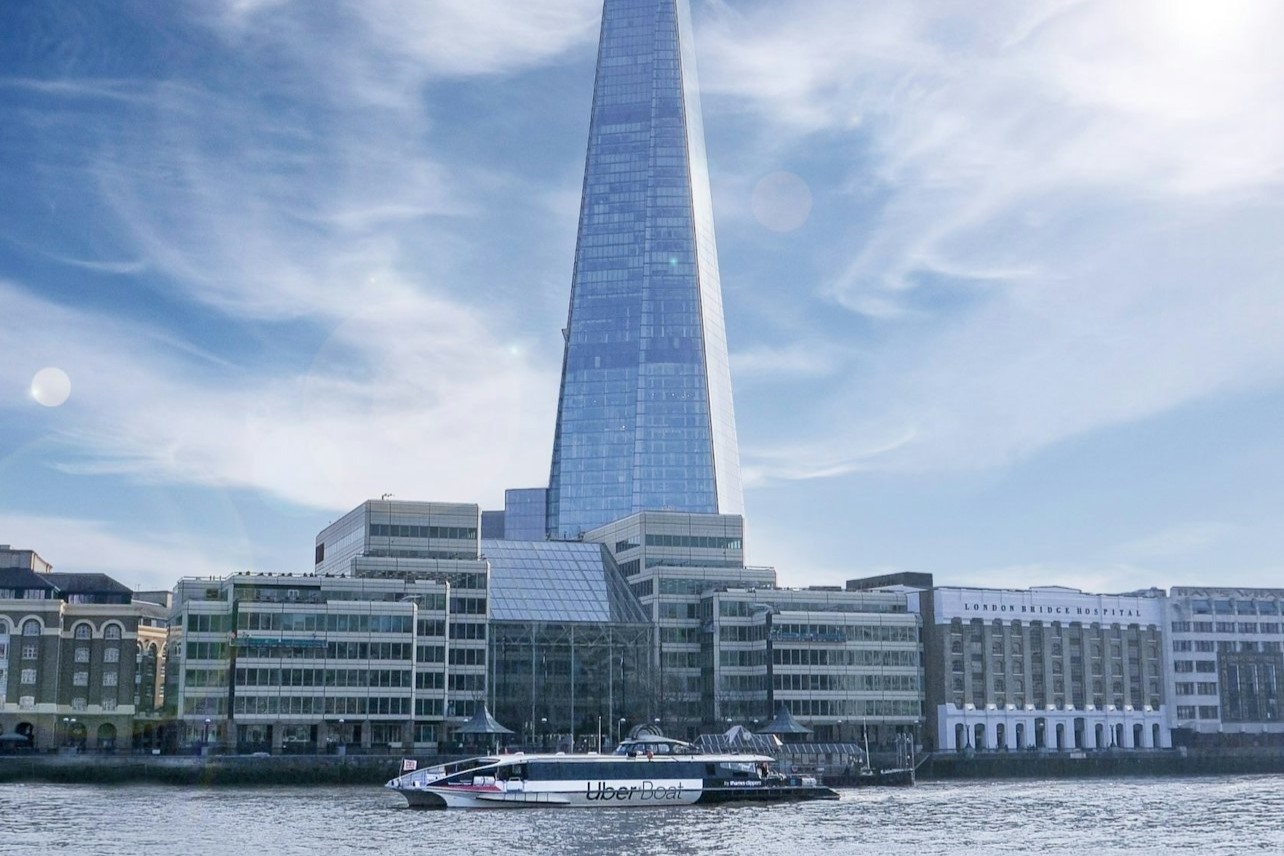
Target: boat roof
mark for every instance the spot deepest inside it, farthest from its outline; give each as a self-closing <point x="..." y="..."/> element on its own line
<point x="523" y="757"/>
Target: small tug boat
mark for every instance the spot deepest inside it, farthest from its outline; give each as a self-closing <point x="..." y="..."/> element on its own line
<point x="644" y="771"/>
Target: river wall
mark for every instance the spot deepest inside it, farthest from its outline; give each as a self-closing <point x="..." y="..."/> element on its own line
<point x="304" y="770"/>
<point x="194" y="770"/>
<point x="1108" y="764"/>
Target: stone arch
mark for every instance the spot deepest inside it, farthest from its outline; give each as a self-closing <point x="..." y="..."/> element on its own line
<point x="82" y="630"/>
<point x="106" y="736"/>
<point x="32" y="627"/>
<point x="113" y="631"/>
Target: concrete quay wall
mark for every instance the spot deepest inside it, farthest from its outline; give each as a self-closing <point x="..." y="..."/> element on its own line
<point x="189" y="770"/>
<point x="1068" y="765"/>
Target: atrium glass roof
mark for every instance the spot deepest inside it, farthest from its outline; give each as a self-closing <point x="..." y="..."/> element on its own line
<point x="558" y="581"/>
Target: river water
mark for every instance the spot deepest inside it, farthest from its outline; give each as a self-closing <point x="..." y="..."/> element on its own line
<point x="1139" y="817"/>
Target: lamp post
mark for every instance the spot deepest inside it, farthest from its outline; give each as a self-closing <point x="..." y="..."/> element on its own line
<point x="619" y="730"/>
<point x="543" y="732"/>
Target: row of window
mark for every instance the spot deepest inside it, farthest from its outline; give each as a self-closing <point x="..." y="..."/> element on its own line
<point x="835" y="657"/>
<point x="332" y="651"/>
<point x="313" y="622"/>
<point x="854" y="708"/>
<point x="83" y="630"/>
<point x="1203" y="711"/>
<point x="847" y="683"/>
<point x="404" y="530"/>
<point x="1186" y="688"/>
<point x="844" y="633"/>
<point x="314" y="677"/>
<point x="702" y="542"/>
<point x="1230" y="606"/>
<point x="1247" y="627"/>
<point x="319" y="705"/>
<point x="1182" y="666"/>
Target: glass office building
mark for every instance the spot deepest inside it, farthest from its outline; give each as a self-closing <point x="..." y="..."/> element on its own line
<point x="645" y="417"/>
<point x="569" y="645"/>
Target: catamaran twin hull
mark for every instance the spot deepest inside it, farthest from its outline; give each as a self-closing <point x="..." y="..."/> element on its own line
<point x="603" y="782"/>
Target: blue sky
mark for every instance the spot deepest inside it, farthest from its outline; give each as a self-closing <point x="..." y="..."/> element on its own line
<point x="1003" y="282"/>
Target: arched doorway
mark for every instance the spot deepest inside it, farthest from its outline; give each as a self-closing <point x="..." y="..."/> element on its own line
<point x="107" y="737"/>
<point x="1020" y="735"/>
<point x="77" y="734"/>
<point x="1138" y="731"/>
<point x="1100" y="733"/>
<point x="1155" y="742"/>
<point x="1041" y="733"/>
<point x="960" y="737"/>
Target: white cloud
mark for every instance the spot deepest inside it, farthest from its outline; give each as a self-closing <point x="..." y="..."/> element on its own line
<point x="1078" y="208"/>
<point x="412" y="396"/>
<point x="140" y="562"/>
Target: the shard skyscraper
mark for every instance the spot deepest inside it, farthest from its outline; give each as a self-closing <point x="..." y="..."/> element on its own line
<point x="645" y="418"/>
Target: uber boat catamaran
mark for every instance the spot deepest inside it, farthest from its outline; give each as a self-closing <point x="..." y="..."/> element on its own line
<point x="644" y="771"/>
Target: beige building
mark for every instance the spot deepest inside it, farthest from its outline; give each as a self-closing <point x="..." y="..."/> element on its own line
<point x="74" y="663"/>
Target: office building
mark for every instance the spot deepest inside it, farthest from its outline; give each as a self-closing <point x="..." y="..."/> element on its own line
<point x="845" y="664"/>
<point x="645" y="417"/>
<point x="670" y="559"/>
<point x="1226" y="665"/>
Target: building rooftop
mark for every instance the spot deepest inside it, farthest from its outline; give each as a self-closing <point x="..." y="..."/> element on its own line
<point x="565" y="581"/>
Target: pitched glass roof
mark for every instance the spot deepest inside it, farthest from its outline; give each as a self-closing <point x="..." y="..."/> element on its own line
<point x="558" y="581"/>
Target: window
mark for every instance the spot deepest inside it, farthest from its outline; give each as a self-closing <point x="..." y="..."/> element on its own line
<point x="1181" y="627"/>
<point x="78" y="703"/>
<point x="111" y="655"/>
<point x="112" y="631"/>
<point x="30" y="652"/>
<point x="82" y="654"/>
<point x="110" y="679"/>
<point x="109" y="703"/>
<point x="80" y="679"/>
<point x="31" y="627"/>
<point x="28" y="676"/>
<point x="82" y="631"/>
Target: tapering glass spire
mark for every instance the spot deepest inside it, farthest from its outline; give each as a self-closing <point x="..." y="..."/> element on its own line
<point x="645" y="418"/>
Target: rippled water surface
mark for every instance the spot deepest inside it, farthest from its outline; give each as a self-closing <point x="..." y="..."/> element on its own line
<point x="1130" y="816"/>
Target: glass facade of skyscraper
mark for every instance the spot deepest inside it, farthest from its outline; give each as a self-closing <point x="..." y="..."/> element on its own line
<point x="645" y="416"/>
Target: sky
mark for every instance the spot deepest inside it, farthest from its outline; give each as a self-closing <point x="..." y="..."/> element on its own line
<point x="1004" y="282"/>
